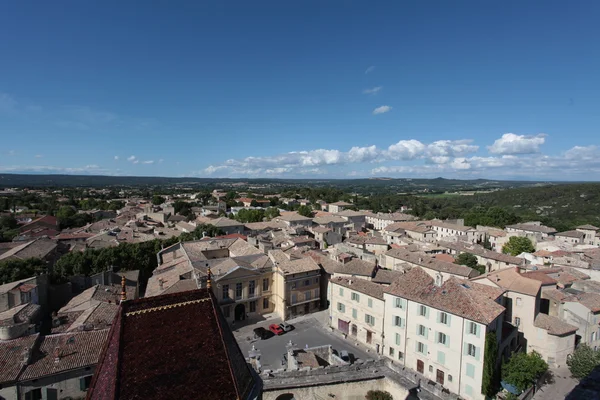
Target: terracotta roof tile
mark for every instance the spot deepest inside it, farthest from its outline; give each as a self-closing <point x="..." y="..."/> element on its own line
<point x="12" y="353"/>
<point x="360" y="285"/>
<point x="74" y="350"/>
<point x="467" y="299"/>
<point x="511" y="279"/>
<point x="554" y="326"/>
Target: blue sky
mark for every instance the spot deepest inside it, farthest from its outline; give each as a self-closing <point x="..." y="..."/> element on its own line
<point x="467" y="89"/>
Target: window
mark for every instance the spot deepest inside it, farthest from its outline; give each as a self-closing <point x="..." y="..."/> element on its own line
<point x="238" y="290"/>
<point x="441" y="357"/>
<point x="265" y="284"/>
<point x="397" y="339"/>
<point x="294" y="298"/>
<point x="398" y="321"/>
<point x="369" y="319"/>
<point x="471" y="350"/>
<point x="468" y="390"/>
<point x="341" y="308"/>
<point x="519" y="301"/>
<point x="225" y="292"/>
<point x="470" y="370"/>
<point x="421" y="330"/>
<point x="265" y="303"/>
<point x="398" y="303"/>
<point x="316" y="280"/>
<point x="431" y="368"/>
<point x="227" y="311"/>
<point x="84" y="383"/>
<point x="307" y="282"/>
<point x="423" y="311"/>
<point x="473" y="328"/>
<point x="341" y="291"/>
<point x="443" y="318"/>
<point x="442" y="338"/>
<point x="517" y="321"/>
<point x="400" y="355"/>
<point x="370" y="303"/>
<point x="355" y="296"/>
<point x="307" y="295"/>
<point x="35" y="394"/>
<point x="354" y="313"/>
<point x="449" y="378"/>
<point x="253" y="306"/>
<point x="251" y="288"/>
<point x="391" y="352"/>
<point x="593" y="336"/>
<point x="316" y="293"/>
<point x="421" y="348"/>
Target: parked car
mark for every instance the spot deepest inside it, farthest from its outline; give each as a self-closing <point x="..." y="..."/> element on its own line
<point x="262" y="333"/>
<point x="276" y="329"/>
<point x="286" y="327"/>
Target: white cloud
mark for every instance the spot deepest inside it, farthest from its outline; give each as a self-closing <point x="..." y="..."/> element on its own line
<point x="406" y="150"/>
<point x="374" y="90"/>
<point x="131" y="158"/>
<point x="38" y="156"/>
<point x="87" y="170"/>
<point x="583" y="152"/>
<point x="161" y="160"/>
<point x="510" y="143"/>
<point x="382" y="110"/>
<point x="370" y="69"/>
<point x="116" y="158"/>
<point x="148" y="162"/>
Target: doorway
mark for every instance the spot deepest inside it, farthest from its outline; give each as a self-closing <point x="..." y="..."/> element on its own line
<point x="420" y="366"/>
<point x="306" y="308"/>
<point x="354" y="330"/>
<point x="240" y="312"/>
<point x="439" y="378"/>
<point x="369" y="337"/>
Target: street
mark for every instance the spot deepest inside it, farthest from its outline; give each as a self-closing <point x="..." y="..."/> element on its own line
<point x="308" y="331"/>
<point x="561" y="385"/>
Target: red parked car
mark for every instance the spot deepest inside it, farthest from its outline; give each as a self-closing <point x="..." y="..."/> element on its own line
<point x="276" y="329"/>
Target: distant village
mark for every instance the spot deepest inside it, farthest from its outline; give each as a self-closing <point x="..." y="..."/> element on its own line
<point x="388" y="282"/>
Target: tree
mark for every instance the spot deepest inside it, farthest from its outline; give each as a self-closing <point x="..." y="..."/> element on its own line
<point x="305" y="211"/>
<point x="522" y="369"/>
<point x="271" y="212"/>
<point x="156" y="199"/>
<point x="470" y="261"/>
<point x="583" y="361"/>
<point x="378" y="395"/>
<point x="517" y="245"/>
<point x="467" y="259"/>
<point x="16" y="269"/>
<point x="8" y="222"/>
<point x="489" y="381"/>
<point x="254" y="203"/>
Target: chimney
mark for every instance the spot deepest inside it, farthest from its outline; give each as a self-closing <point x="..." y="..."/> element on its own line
<point x="160" y="283"/>
<point x="350" y="282"/>
<point x="57" y="354"/>
<point x="26" y="356"/>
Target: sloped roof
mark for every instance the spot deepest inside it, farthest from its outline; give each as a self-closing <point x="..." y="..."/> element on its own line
<point x="571" y="234"/>
<point x="553" y="325"/>
<point x="38" y="248"/>
<point x="533" y="228"/>
<point x="435" y="264"/>
<point x="12" y="355"/>
<point x="588" y="227"/>
<point x="169" y="346"/>
<point x="360" y="285"/>
<point x="511" y="279"/>
<point x="386" y="276"/>
<point x="473" y="301"/>
<point x="75" y="350"/>
<point x="357" y="267"/>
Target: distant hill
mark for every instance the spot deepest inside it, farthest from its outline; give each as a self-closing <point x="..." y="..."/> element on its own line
<point x="359" y="185"/>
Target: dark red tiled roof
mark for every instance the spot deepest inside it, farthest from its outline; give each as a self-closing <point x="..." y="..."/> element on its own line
<point x="11" y="356"/>
<point x="171" y="346"/>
